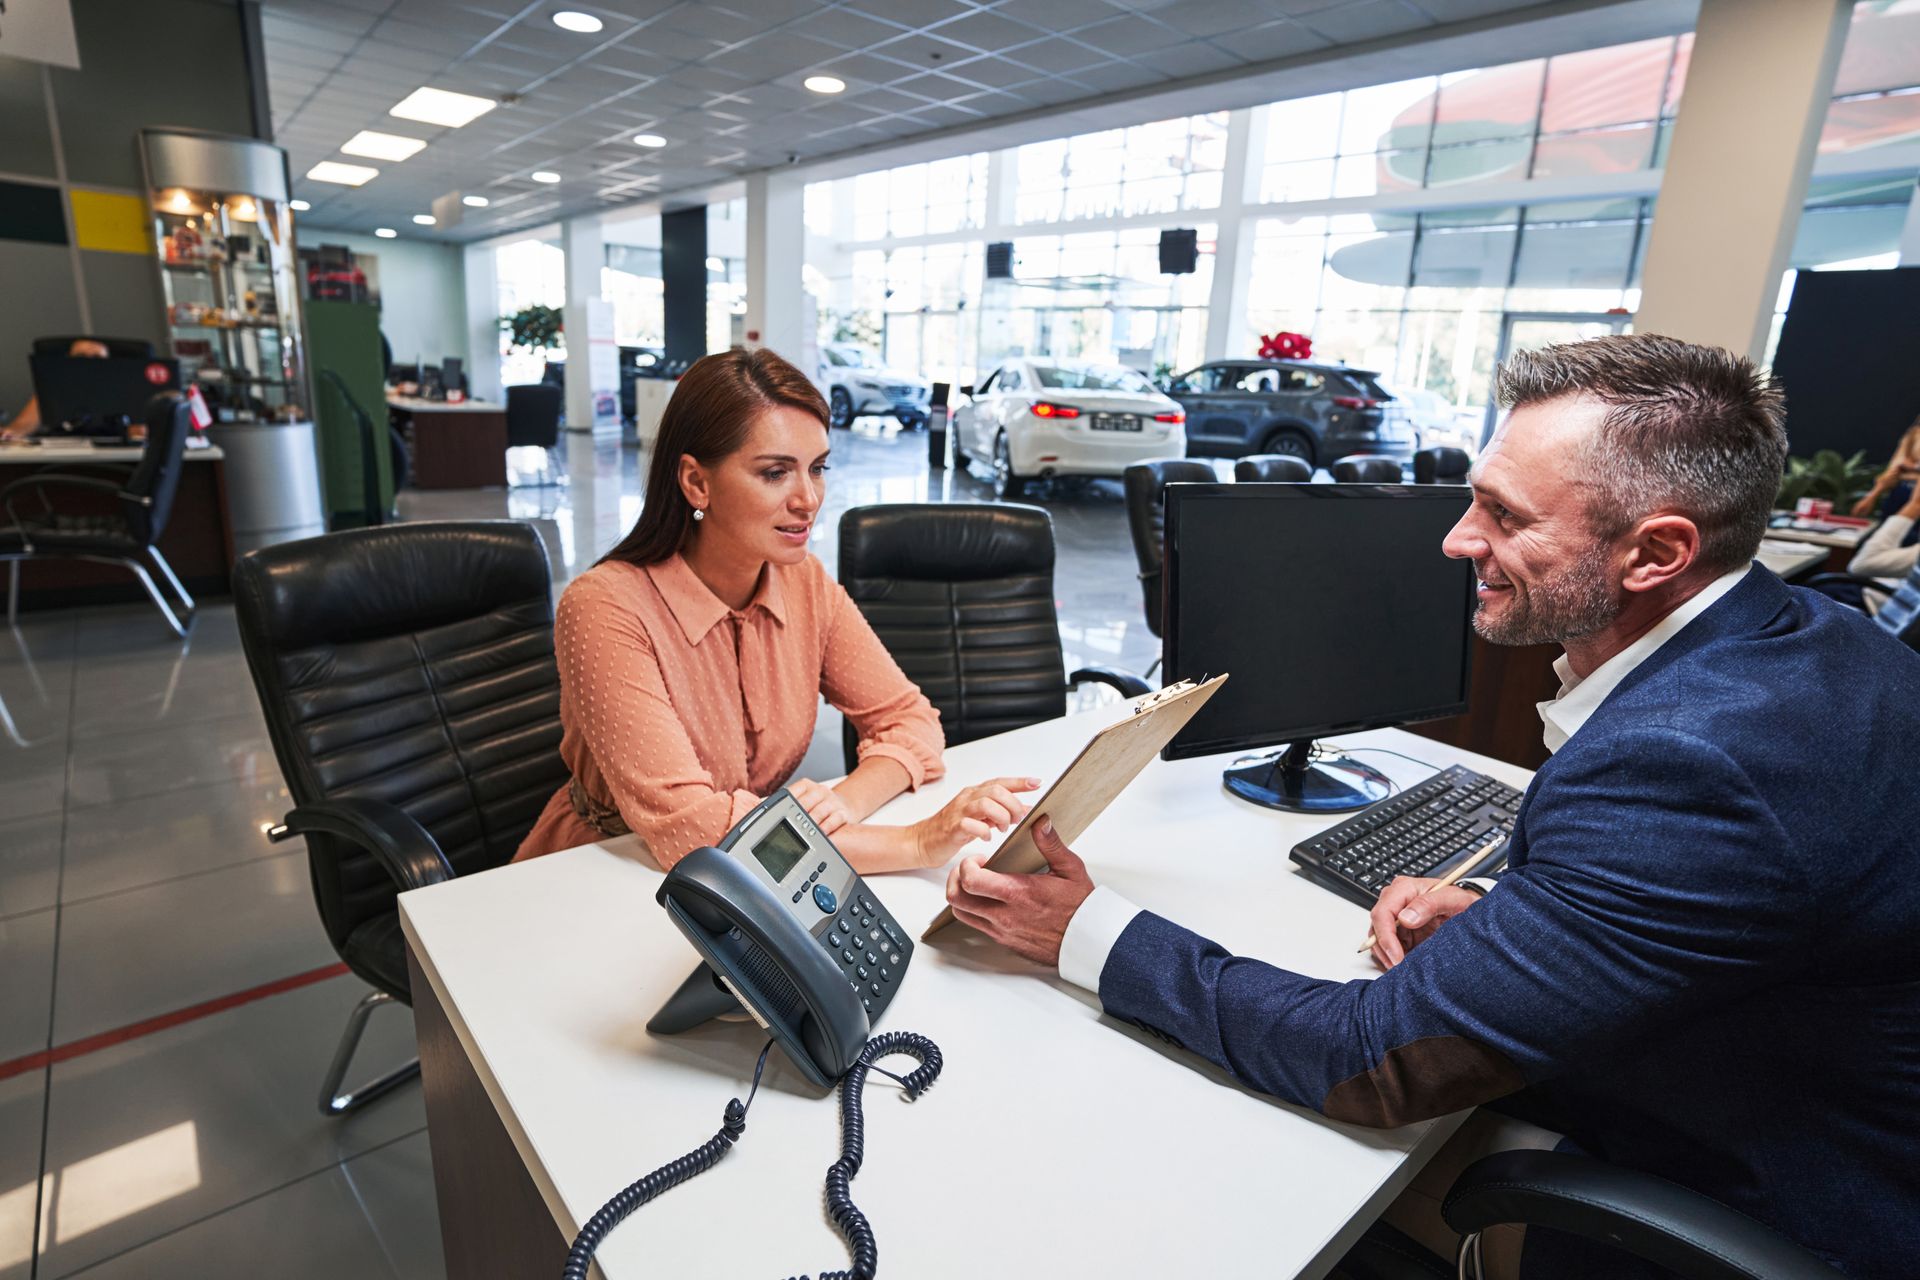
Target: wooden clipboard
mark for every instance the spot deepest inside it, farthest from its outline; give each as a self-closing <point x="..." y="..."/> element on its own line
<point x="1113" y="758"/>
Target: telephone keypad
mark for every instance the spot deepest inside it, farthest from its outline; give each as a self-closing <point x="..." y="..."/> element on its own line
<point x="870" y="948"/>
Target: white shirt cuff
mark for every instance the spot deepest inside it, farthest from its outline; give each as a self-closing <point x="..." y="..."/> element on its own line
<point x="1091" y="936"/>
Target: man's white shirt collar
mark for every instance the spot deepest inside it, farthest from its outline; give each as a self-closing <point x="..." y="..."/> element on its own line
<point x="1578" y="699"/>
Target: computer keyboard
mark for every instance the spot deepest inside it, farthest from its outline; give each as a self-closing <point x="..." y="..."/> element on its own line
<point x="1420" y="832"/>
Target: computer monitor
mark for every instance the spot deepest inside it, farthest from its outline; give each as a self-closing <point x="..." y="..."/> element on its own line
<point x="90" y="393"/>
<point x="1334" y="610"/>
<point x="451" y="376"/>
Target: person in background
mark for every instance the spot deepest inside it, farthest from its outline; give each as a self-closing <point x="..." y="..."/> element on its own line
<point x="1887" y="492"/>
<point x="1891" y="551"/>
<point x="694" y="655"/>
<point x="27" y="422"/>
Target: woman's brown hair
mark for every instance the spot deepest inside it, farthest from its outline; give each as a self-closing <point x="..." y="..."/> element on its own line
<point x="708" y="417"/>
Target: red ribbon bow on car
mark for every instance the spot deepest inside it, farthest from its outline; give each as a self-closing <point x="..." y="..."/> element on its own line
<point x="1285" y="346"/>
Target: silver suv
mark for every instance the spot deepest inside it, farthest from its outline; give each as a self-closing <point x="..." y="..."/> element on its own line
<point x="857" y="381"/>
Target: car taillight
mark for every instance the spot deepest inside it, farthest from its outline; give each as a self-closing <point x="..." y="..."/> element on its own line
<point x="1178" y="415"/>
<point x="1357" y="402"/>
<point x="1047" y="409"/>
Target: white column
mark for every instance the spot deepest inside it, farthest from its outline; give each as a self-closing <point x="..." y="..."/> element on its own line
<point x="1758" y="84"/>
<point x="1227" y="333"/>
<point x="586" y="250"/>
<point x="776" y="248"/>
<point x="1910" y="233"/>
<point x="483" y="324"/>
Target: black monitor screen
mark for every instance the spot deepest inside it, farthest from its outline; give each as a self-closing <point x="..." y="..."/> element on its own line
<point x="1331" y="606"/>
<point x="73" y="389"/>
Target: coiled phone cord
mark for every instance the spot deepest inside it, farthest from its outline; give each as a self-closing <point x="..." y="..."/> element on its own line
<point x="846" y="1215"/>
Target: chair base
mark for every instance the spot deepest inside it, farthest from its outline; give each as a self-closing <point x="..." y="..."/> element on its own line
<point x="335" y="1103"/>
<point x="138" y="570"/>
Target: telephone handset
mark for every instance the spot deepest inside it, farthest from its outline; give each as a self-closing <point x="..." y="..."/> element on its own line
<point x="786" y="928"/>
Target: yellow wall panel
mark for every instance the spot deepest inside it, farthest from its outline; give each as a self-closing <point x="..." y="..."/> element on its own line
<point x="115" y="223"/>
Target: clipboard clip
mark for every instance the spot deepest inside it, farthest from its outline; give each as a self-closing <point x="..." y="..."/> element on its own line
<point x="1179" y="687"/>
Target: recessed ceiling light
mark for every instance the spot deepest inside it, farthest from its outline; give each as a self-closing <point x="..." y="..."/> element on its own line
<point x="385" y="233"/>
<point x="442" y="107"/>
<point x="544" y="175"/>
<point x="649" y="140"/>
<point x="381" y="146"/>
<point x="298" y="206"/>
<point x="422" y="219"/>
<point x="347" y="175"/>
<point x="825" y="84"/>
<point x="474" y="202"/>
<point x="584" y="23"/>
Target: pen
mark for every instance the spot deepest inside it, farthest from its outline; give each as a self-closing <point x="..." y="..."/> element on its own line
<point x="1460" y="869"/>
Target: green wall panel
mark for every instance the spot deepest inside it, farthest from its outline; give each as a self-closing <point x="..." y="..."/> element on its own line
<point x="345" y="337"/>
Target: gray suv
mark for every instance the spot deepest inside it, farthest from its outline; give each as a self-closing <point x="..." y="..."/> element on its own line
<point x="1319" y="412"/>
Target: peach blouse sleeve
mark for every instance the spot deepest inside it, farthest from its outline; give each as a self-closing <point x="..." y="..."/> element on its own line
<point x="618" y="698"/>
<point x="888" y="711"/>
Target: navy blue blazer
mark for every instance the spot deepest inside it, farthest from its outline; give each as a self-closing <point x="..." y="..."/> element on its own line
<point x="1702" y="962"/>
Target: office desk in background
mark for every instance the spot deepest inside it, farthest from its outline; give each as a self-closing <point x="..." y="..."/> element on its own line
<point x="198" y="542"/>
<point x="456" y="446"/>
<point x="1056" y="1142"/>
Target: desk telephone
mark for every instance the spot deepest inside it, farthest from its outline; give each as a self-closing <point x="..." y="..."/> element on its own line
<point x="786" y="929"/>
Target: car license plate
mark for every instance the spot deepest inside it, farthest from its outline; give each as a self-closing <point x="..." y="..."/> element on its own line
<point x="1115" y="422"/>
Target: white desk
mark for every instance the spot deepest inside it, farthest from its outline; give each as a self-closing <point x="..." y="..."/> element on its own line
<point x="66" y="451"/>
<point x="1057" y="1142"/>
<point x="421" y="404"/>
<point x="1790" y="558"/>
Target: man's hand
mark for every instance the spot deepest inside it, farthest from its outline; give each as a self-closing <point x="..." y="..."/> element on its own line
<point x="823" y="804"/>
<point x="1027" y="914"/>
<point x="1406" y="914"/>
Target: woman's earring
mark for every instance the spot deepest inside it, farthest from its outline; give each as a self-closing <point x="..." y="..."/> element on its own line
<point x="699" y="513"/>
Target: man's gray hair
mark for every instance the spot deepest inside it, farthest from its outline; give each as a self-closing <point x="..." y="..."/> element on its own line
<point x="1689" y="429"/>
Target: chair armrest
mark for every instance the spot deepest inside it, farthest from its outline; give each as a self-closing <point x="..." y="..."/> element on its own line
<point x="43" y="481"/>
<point x="1130" y="686"/>
<point x="386" y="831"/>
<point x="1819" y="580"/>
<point x="1651" y="1218"/>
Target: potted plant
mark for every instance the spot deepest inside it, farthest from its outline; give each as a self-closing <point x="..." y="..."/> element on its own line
<point x="536" y="328"/>
<point x="1827" y="475"/>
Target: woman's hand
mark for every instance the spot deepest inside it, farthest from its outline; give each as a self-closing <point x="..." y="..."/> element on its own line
<point x="975" y="814"/>
<point x="822" y="803"/>
<point x="1865" y="506"/>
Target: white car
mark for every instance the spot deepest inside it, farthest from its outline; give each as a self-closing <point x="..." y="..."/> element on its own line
<point x="856" y="381"/>
<point x="1035" y="417"/>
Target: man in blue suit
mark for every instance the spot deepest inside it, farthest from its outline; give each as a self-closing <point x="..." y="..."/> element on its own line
<point x="1700" y="962"/>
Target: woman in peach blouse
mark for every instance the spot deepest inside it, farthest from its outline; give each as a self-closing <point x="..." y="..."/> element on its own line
<point x="693" y="656"/>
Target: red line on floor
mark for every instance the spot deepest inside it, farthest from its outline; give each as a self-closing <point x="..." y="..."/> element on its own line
<point x="192" y="1013"/>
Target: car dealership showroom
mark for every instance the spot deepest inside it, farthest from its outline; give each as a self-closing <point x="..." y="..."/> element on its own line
<point x="473" y="472"/>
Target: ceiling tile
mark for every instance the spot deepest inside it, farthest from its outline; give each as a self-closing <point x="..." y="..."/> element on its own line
<point x="1112" y="77"/>
<point x="1056" y="15"/>
<point x="987" y="31"/>
<point x="1275" y="40"/>
<point x="1125" y="37"/>
<point x="1369" y="20"/>
<point x="1194" y="58"/>
<point x="917" y="14"/>
<point x="1054" y="56"/>
<point x="844" y="28"/>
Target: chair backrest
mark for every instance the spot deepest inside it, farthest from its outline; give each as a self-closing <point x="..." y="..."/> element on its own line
<point x="1272" y="468"/>
<point x="1442" y="464"/>
<point x="961" y="594"/>
<point x="1366" y="468"/>
<point x="157" y="475"/>
<point x="533" y="415"/>
<point x="410" y="664"/>
<point x="1146" y="486"/>
<point x="137" y="348"/>
<point x="1900" y="615"/>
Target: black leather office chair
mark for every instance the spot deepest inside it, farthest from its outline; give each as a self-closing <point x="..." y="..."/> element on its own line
<point x="408" y="681"/>
<point x="1683" y="1232"/>
<point x="1146" y="484"/>
<point x="1366" y="468"/>
<point x="137" y="348"/>
<point x="1272" y="468"/>
<point x="961" y="594"/>
<point x="1899" y="612"/>
<point x="533" y="421"/>
<point x="125" y="534"/>
<point x="1442" y="464"/>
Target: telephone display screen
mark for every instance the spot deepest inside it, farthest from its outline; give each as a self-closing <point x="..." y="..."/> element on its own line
<point x="780" y="851"/>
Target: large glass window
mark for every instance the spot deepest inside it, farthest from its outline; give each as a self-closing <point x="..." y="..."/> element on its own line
<point x="528" y="273"/>
<point x="1161" y="167"/>
<point x="631" y="283"/>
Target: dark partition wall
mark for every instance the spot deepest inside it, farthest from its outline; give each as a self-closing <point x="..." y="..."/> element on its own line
<point x="1850" y="360"/>
<point x="683" y="282"/>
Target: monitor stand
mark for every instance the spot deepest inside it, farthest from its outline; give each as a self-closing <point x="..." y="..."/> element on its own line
<point x="1292" y="780"/>
<point x="699" y="999"/>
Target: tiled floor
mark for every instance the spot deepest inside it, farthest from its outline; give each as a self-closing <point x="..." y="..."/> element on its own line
<point x="135" y="881"/>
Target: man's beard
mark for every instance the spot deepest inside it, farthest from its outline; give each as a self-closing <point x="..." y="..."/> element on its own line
<point x="1574" y="603"/>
